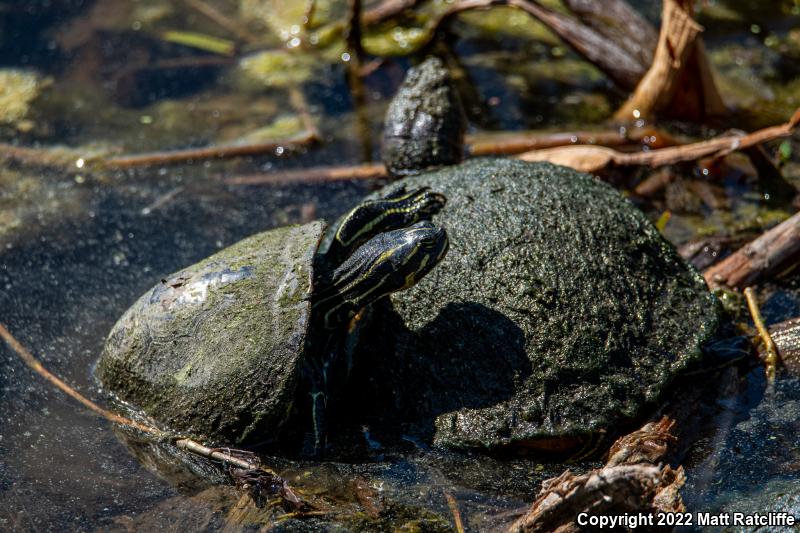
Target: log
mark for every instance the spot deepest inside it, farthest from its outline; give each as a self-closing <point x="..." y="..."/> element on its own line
<point x="623" y="489"/>
<point x="773" y="252"/>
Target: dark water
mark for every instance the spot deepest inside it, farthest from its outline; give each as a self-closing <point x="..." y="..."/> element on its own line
<point x="86" y="244"/>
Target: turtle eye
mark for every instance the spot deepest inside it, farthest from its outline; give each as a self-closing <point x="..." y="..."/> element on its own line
<point x="428" y="241"/>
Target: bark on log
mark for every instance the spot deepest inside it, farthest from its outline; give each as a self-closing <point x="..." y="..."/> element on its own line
<point x="612" y="490"/>
<point x="775" y="251"/>
<point x="632" y="481"/>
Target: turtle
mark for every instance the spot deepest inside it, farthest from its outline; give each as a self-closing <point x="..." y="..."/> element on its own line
<point x="239" y="348"/>
<point x="560" y="313"/>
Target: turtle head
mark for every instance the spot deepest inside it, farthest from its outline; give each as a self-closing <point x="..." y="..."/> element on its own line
<point x="400" y="249"/>
<point x="373" y="217"/>
<point x="387" y="263"/>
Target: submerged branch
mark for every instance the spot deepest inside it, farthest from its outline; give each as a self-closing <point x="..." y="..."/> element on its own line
<point x="352" y="34"/>
<point x="250" y="468"/>
<point x="453" y="504"/>
<point x="54" y="157"/>
<point x="222" y="20"/>
<point x="209" y="152"/>
<point x="34" y="364"/>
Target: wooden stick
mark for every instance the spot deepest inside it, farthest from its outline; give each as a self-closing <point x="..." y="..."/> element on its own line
<point x="772" y="252"/>
<point x="588" y="158"/>
<point x="352" y="34"/>
<point x="515" y="143"/>
<point x="28" y="358"/>
<point x="771" y="358"/>
<point x="53" y="157"/>
<point x="386" y="10"/>
<point x="619" y="22"/>
<point x="597" y="158"/>
<point x="222" y="20"/>
<point x="309" y="175"/>
<point x="185" y="444"/>
<point x="208" y="152"/>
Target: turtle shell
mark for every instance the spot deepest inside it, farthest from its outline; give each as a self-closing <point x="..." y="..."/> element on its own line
<point x="560" y="311"/>
<point x="215" y="350"/>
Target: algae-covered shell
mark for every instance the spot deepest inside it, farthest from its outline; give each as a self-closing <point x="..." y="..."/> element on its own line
<point x="215" y="350"/>
<point x="559" y="311"/>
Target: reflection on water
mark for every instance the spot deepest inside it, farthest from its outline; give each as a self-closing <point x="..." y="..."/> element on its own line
<point x="79" y="246"/>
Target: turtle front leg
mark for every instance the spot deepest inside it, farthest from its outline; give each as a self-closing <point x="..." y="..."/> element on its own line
<point x="319" y="404"/>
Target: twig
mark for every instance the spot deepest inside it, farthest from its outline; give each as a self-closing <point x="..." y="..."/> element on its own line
<point x="619" y="22"/>
<point x="209" y="152"/>
<point x="222" y="20"/>
<point x="186" y="444"/>
<point x="506" y="144"/>
<point x="311" y="7"/>
<point x="386" y="10"/>
<point x="28" y="358"/>
<point x="596" y="158"/>
<point x="54" y="157"/>
<point x="771" y="359"/>
<point x="162" y="200"/>
<point x="771" y="253"/>
<point x="453" y="504"/>
<point x="308" y="175"/>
